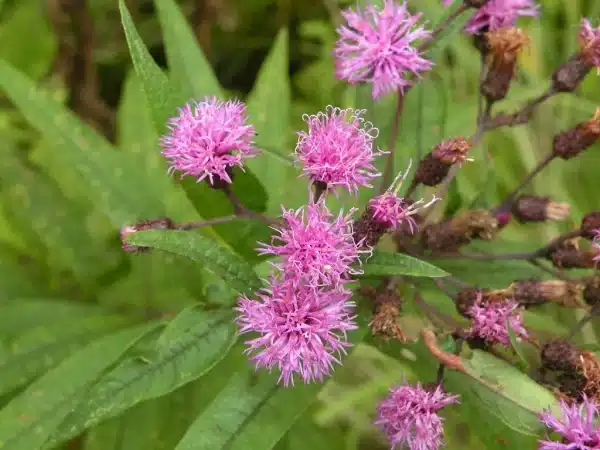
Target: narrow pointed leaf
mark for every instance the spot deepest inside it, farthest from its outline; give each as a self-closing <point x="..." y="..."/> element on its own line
<point x="388" y="263"/>
<point x="30" y="419"/>
<point x="190" y="346"/>
<point x="211" y="255"/>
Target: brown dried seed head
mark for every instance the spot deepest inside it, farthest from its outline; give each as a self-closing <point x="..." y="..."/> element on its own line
<point x="368" y="229"/>
<point x="590" y="223"/>
<point x="572" y="258"/>
<point x="452" y="151"/>
<point x="571" y="143"/>
<point x="385" y="323"/>
<point x="569" y="75"/>
<point x="560" y="354"/>
<point x="505" y="44"/>
<point x="591" y="292"/>
<point x="533" y="208"/>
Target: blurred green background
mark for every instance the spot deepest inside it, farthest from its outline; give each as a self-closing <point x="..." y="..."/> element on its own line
<point x="56" y="243"/>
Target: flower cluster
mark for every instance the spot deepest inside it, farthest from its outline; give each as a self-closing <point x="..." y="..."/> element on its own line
<point x="209" y="138"/>
<point x="490" y="321"/>
<point x="337" y="150"/>
<point x="589" y="38"/>
<point x="378" y="47"/>
<point x="408" y="416"/>
<point x="496" y="14"/>
<point x="578" y="426"/>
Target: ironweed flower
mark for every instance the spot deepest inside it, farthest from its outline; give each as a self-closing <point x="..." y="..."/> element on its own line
<point x="496" y="14"/>
<point x="337" y="150"/>
<point x="489" y="321"/>
<point x="392" y="211"/>
<point x="208" y="138"/>
<point x="408" y="416"/>
<point x="577" y="425"/>
<point x="589" y="39"/>
<point x="378" y="47"/>
<point x="316" y="247"/>
<point x="301" y="330"/>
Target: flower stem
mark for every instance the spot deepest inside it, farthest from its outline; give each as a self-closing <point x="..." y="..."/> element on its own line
<point x="206" y="223"/>
<point x="521" y="116"/>
<point x="389" y="162"/>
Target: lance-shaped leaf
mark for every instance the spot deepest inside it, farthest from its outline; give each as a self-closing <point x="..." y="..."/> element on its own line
<point x="190" y="346"/>
<point x="210" y="254"/>
<point x="29" y="420"/>
<point x="388" y="263"/>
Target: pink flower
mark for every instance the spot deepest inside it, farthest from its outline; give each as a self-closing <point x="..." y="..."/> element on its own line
<point x="578" y="427"/>
<point x="338" y="149"/>
<point x="377" y="47"/>
<point x="408" y="417"/>
<point x="208" y="139"/>
<point x="316" y="248"/>
<point x="489" y="321"/>
<point x="301" y="330"/>
<point x="447" y="2"/>
<point x="590" y="43"/>
<point x="497" y="14"/>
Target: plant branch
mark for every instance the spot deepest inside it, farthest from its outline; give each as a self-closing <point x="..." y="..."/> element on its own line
<point x="521" y="116"/>
<point x="389" y="162"/>
<point x="207" y="223"/>
<point x="242" y="210"/>
<point x="439" y="29"/>
<point x="506" y="205"/>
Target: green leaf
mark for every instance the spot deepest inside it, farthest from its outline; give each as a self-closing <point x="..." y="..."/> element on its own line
<point x="29" y="420"/>
<point x="38" y="349"/>
<point x="269" y="111"/>
<point x="37" y="203"/>
<point x="253" y="411"/>
<point x="190" y="346"/>
<point x="116" y="184"/>
<point x="162" y="97"/>
<point x="214" y="258"/>
<point x="508" y="393"/>
<point x="388" y="263"/>
<point x="188" y="66"/>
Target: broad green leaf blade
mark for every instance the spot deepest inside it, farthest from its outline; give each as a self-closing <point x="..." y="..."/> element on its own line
<point x="252" y="412"/>
<point x="189" y="347"/>
<point x="188" y="66"/>
<point x="161" y="96"/>
<point x="30" y="419"/>
<point x="38" y="204"/>
<point x="388" y="263"/>
<point x="38" y="349"/>
<point x="508" y="393"/>
<point x="213" y="257"/>
<point x="269" y="111"/>
<point x="120" y="189"/>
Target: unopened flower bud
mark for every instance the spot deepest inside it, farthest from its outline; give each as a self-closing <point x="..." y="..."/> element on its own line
<point x="571" y="143"/>
<point x="569" y="75"/>
<point x="572" y="257"/>
<point x="503" y="218"/>
<point x="451" y="234"/>
<point x="590" y="224"/>
<point x="591" y="292"/>
<point x="504" y="45"/>
<point x="435" y="166"/>
<point x="532" y="208"/>
<point x="535" y="292"/>
<point x="162" y="223"/>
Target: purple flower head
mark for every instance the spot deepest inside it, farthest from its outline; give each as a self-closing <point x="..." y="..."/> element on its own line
<point x="208" y="139"/>
<point x="489" y="321"/>
<point x="338" y="149"/>
<point x="496" y="14"/>
<point x="301" y="330"/>
<point x="408" y="417"/>
<point x="316" y="248"/>
<point x="378" y="47"/>
<point x="392" y="211"/>
<point x="447" y="2"/>
<point x="578" y="426"/>
<point x="589" y="38"/>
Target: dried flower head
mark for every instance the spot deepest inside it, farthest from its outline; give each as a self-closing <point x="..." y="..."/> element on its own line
<point x="577" y="426"/>
<point x="378" y="47"/>
<point x="489" y="320"/>
<point x="435" y="166"/>
<point x="207" y="139"/>
<point x="315" y="247"/>
<point x="409" y="418"/>
<point x="338" y="150"/>
<point x="301" y="330"/>
<point x="589" y="39"/>
<point x="392" y="211"/>
<point x="497" y="14"/>
<point x="570" y="143"/>
<point x="534" y="208"/>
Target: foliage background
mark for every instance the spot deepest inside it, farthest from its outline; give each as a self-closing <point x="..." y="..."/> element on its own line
<point x="59" y="246"/>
